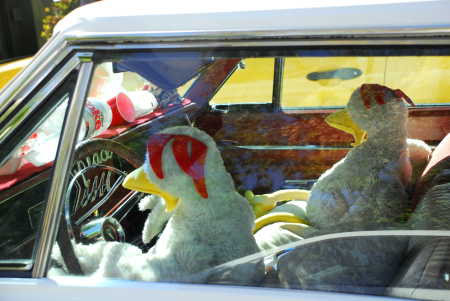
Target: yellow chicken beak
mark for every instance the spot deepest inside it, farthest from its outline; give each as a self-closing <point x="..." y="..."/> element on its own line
<point x="137" y="180"/>
<point x="341" y="120"/>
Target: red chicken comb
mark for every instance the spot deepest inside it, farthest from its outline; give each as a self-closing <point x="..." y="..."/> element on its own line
<point x="193" y="166"/>
<point x="378" y="94"/>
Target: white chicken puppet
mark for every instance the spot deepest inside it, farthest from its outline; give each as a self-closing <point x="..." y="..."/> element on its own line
<point x="371" y="184"/>
<point x="212" y="224"/>
<point x="373" y="181"/>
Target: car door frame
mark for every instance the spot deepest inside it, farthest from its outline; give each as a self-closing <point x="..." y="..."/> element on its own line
<point x="15" y="120"/>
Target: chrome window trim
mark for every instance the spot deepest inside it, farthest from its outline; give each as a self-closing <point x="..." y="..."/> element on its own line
<point x="315" y="35"/>
<point x="39" y="97"/>
<point x="25" y="265"/>
<point x="58" y="187"/>
<point x="30" y="76"/>
<point x="36" y="100"/>
<point x="101" y="43"/>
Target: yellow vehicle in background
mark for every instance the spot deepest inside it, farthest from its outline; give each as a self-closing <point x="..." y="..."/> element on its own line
<point x="10" y="68"/>
<point x="325" y="83"/>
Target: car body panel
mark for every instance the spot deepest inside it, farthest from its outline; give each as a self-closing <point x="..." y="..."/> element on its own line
<point x="315" y="18"/>
<point x="10" y="69"/>
<point x="53" y="289"/>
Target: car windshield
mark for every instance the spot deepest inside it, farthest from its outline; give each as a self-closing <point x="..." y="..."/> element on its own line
<point x="300" y="168"/>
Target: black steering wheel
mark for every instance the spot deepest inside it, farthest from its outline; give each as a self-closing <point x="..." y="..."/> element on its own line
<point x="88" y="151"/>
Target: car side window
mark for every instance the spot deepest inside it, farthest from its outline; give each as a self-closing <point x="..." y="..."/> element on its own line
<point x="308" y="169"/>
<point x="25" y="177"/>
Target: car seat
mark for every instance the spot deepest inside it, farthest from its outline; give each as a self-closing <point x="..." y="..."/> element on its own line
<point x="427" y="262"/>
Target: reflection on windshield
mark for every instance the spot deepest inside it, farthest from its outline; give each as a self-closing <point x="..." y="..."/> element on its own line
<point x="228" y="179"/>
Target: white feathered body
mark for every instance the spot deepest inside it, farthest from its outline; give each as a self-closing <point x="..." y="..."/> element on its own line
<point x="373" y="181"/>
<point x="202" y="234"/>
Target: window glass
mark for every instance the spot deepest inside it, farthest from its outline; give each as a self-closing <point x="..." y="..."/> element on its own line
<point x="251" y="82"/>
<point x="423" y="76"/>
<point x="189" y="171"/>
<point x="183" y="89"/>
<point x="320" y="83"/>
<point x="25" y="177"/>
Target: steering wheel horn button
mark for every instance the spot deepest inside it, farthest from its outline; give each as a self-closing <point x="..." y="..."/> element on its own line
<point x="103" y="229"/>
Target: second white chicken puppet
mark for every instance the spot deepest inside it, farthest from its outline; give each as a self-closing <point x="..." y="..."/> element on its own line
<point x="368" y="190"/>
<point x="212" y="224"/>
<point x="373" y="181"/>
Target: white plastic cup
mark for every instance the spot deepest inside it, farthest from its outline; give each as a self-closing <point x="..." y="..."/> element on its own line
<point x="98" y="81"/>
<point x="11" y="166"/>
<point x="144" y="102"/>
<point x="97" y="117"/>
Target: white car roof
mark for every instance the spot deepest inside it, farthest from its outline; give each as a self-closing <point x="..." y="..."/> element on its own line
<point x="144" y="16"/>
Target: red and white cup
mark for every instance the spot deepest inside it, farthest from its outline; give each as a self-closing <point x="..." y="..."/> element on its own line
<point x="97" y="117"/>
<point x="122" y="109"/>
<point x="144" y="102"/>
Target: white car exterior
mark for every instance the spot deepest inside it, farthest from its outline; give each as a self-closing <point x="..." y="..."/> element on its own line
<point x="134" y="24"/>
